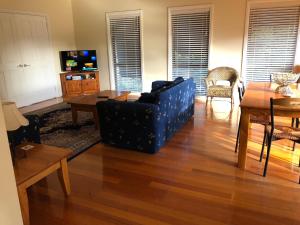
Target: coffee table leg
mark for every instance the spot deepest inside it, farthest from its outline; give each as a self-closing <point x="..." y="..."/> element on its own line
<point x="96" y="119"/>
<point x="23" y="198"/>
<point x="74" y="114"/>
<point x="63" y="174"/>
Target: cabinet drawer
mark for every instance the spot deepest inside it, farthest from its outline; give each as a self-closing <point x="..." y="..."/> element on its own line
<point x="89" y="85"/>
<point x="73" y="87"/>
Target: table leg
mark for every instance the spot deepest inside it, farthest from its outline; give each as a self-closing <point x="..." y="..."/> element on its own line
<point x="96" y="118"/>
<point x="63" y="174"/>
<point x="74" y="114"/>
<point x="23" y="198"/>
<point x="243" y="141"/>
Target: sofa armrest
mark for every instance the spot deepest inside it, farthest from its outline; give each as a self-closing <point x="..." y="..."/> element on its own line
<point x="29" y="133"/>
<point x="130" y="125"/>
<point x="33" y="129"/>
<point x="209" y="82"/>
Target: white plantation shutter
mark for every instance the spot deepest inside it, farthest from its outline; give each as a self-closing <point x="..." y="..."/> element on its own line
<point x="126" y="52"/>
<point x="272" y="41"/>
<point x="190" y="46"/>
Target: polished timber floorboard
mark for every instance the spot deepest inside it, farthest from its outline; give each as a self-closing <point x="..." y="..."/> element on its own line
<point x="192" y="180"/>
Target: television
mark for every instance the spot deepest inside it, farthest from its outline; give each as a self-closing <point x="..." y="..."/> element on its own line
<point x="78" y="60"/>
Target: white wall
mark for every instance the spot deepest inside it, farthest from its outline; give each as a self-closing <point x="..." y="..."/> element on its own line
<point x="60" y="23"/>
<point x="10" y="213"/>
<point x="61" y="28"/>
<point x="227" y="36"/>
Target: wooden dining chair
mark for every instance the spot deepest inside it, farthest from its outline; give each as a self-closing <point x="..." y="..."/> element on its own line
<point x="295" y="121"/>
<point x="263" y="119"/>
<point x="296" y="69"/>
<point x="278" y="132"/>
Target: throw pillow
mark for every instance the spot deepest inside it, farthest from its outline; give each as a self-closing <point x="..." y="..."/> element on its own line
<point x="178" y="80"/>
<point x="157" y="85"/>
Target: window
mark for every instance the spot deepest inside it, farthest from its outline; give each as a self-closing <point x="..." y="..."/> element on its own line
<point x="272" y="42"/>
<point x="189" y="34"/>
<point x="124" y="35"/>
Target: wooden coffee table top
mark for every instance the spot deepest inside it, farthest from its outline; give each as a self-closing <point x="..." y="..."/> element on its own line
<point x="94" y="98"/>
<point x="37" y="160"/>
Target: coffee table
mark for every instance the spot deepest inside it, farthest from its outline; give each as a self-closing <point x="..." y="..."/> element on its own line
<point x="36" y="164"/>
<point x="87" y="103"/>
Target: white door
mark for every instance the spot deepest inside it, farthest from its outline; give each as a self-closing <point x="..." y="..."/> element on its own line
<point x="10" y="58"/>
<point x="31" y="77"/>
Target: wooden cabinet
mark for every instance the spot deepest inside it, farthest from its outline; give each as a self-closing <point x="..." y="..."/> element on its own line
<point x="79" y="83"/>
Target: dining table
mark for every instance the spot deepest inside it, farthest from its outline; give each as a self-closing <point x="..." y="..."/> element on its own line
<point x="256" y="101"/>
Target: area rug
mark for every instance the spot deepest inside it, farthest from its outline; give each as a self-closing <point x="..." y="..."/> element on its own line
<point x="57" y="129"/>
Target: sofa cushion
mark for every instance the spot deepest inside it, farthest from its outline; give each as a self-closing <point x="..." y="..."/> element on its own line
<point x="148" y="98"/>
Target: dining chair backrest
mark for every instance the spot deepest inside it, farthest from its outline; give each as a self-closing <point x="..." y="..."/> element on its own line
<point x="241" y="90"/>
<point x="296" y="69"/>
<point x="280" y="105"/>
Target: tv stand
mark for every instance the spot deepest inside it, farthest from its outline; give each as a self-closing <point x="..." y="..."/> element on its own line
<point x="75" y="83"/>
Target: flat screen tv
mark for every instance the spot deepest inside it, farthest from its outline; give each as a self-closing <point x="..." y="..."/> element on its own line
<point x="82" y="60"/>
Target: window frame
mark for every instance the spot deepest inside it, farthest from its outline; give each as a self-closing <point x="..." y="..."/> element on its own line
<point x="264" y="4"/>
<point x="123" y="14"/>
<point x="187" y="9"/>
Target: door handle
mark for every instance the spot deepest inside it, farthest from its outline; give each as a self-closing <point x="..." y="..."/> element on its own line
<point x="26" y="65"/>
<point x="20" y="65"/>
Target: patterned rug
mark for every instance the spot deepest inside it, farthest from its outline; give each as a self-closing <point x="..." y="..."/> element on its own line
<point x="57" y="129"/>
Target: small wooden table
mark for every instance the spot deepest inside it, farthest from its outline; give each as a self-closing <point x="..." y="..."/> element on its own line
<point x="38" y="163"/>
<point x="87" y="103"/>
<point x="256" y="101"/>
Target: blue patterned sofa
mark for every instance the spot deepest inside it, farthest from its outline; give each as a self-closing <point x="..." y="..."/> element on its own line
<point x="146" y="124"/>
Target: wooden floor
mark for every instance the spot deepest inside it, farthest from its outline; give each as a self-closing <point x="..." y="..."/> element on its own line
<point x="192" y="180"/>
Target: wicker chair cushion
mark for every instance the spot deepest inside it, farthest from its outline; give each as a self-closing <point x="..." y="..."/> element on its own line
<point x="219" y="91"/>
<point x="285" y="132"/>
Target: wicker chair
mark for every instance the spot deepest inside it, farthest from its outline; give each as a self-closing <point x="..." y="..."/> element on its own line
<point x="223" y="91"/>
<point x="296" y="69"/>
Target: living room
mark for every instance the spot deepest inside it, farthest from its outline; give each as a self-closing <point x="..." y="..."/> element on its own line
<point x="149" y="112"/>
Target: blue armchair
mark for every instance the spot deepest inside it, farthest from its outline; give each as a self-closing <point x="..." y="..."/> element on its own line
<point x="29" y="133"/>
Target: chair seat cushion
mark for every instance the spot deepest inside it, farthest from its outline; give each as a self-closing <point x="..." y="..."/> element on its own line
<point x="285" y="132"/>
<point x="219" y="91"/>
